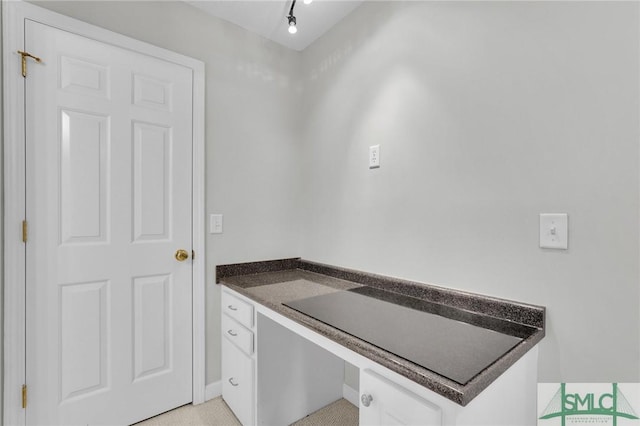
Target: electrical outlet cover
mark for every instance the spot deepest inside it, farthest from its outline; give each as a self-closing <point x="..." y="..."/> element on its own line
<point x="374" y="156"/>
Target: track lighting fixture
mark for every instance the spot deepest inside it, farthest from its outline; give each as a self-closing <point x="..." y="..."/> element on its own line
<point x="292" y="24"/>
<point x="292" y="19"/>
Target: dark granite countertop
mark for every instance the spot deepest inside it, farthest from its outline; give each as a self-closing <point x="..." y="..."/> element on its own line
<point x="276" y="283"/>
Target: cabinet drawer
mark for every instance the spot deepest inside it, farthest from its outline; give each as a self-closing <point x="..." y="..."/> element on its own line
<point x="389" y="403"/>
<point x="237" y="382"/>
<point x="237" y="309"/>
<point x="237" y="334"/>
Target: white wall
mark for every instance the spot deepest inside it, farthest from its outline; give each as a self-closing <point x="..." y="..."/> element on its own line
<point x="252" y="175"/>
<point x="487" y="115"/>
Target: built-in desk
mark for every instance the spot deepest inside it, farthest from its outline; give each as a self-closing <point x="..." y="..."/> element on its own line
<point x="280" y="364"/>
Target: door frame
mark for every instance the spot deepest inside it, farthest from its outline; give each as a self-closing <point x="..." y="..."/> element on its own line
<point x="14" y="14"/>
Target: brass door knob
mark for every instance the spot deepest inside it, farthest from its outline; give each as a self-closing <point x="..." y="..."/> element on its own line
<point x="182" y="255"/>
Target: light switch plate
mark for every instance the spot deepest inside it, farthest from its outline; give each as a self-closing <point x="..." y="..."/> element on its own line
<point x="554" y="231"/>
<point x="215" y="224"/>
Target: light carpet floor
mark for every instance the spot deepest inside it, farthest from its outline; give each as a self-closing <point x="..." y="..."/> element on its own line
<point x="217" y="413"/>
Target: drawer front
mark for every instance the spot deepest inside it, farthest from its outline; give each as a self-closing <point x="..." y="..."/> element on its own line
<point x="236" y="333"/>
<point x="237" y="309"/>
<point x="384" y="402"/>
<point x="237" y="382"/>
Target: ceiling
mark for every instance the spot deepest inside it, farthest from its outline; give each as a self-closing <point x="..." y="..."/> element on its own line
<point x="268" y="17"/>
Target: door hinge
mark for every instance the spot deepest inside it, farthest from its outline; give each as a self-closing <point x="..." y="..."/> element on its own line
<point x="193" y="254"/>
<point x="24" y="396"/>
<point x="24" y="56"/>
<point x="25" y="231"/>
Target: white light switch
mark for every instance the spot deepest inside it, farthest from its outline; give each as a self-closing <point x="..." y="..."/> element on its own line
<point x="374" y="156"/>
<point x="554" y="230"/>
<point x="215" y="224"/>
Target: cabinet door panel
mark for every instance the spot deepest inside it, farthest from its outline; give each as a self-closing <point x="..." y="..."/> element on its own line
<point x="237" y="382"/>
<point x="391" y="404"/>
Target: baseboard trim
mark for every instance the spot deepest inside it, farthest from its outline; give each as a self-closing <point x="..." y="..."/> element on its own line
<point x="212" y="390"/>
<point x="350" y="394"/>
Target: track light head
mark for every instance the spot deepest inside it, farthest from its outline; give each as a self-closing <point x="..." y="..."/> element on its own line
<point x="292" y="19"/>
<point x="292" y="24"/>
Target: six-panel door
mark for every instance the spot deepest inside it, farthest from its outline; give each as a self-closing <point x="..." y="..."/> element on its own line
<point x="109" y="148"/>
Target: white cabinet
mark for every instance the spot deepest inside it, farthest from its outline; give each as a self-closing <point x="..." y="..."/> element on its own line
<point x="238" y="382"/>
<point x="384" y="402"/>
<point x="238" y="364"/>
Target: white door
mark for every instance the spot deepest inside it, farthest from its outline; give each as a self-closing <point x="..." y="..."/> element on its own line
<point x="108" y="182"/>
<point x="384" y="403"/>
